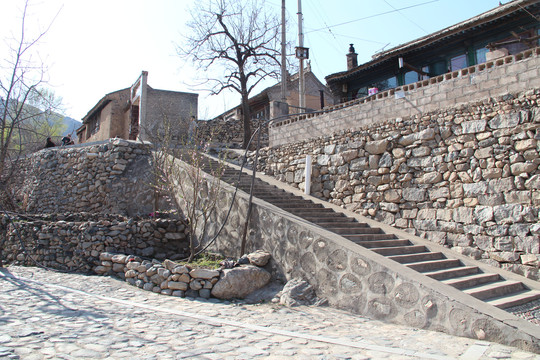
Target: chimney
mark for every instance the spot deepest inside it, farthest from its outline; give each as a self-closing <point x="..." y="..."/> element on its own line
<point x="352" y="58"/>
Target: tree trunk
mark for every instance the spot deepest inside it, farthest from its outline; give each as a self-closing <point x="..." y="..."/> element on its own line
<point x="246" y="117"/>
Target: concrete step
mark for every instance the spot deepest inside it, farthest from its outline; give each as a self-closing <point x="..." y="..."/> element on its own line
<point x="468" y="281"/>
<point x="398" y="250"/>
<point x="297" y="205"/>
<point x="369" y="237"/>
<point x="336" y="219"/>
<point x="311" y="211"/>
<point x="516" y="299"/>
<point x="450" y="273"/>
<point x="356" y="225"/>
<point x="432" y="265"/>
<point x="413" y="258"/>
<point x="353" y="229"/>
<point x="382" y="243"/>
<point x="496" y="289"/>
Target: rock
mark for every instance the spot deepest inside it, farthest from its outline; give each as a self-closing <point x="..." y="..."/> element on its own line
<point x="473" y="127"/>
<point x="203" y="274"/>
<point x="118" y="268"/>
<point x="502" y="121"/>
<point x="101" y="270"/>
<point x="240" y="281"/>
<point x="148" y="252"/>
<point x="259" y="258"/>
<point x="524" y="145"/>
<point x="169" y="264"/>
<point x="523" y="167"/>
<point x="180" y="269"/>
<point x="120" y="259"/>
<point x="414" y="194"/>
<point x="105" y="256"/>
<point x="376" y="147"/>
<point x="530" y="259"/>
<point x="177" y="285"/>
<point x="298" y="292"/>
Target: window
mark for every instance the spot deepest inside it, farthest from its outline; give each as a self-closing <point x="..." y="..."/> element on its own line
<point x="386" y="84"/>
<point x="458" y="62"/>
<point x="411" y="77"/>
<point x="438" y="68"/>
<point x="481" y="55"/>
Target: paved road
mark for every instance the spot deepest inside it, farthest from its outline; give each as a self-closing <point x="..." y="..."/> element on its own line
<point x="49" y="315"/>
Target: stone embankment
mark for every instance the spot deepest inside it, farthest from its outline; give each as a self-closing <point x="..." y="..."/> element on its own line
<point x="467" y="177"/>
<point x="174" y="279"/>
<point x="112" y="176"/>
<point x="229" y="133"/>
<point x="75" y="241"/>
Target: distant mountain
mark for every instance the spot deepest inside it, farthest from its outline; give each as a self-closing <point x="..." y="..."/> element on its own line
<point x="71" y="126"/>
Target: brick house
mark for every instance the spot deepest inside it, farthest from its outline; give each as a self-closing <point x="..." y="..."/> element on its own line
<point x="317" y="96"/>
<point x="505" y="30"/>
<point x="139" y="112"/>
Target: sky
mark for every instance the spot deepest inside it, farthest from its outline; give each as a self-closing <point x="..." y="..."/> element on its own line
<point x="96" y="47"/>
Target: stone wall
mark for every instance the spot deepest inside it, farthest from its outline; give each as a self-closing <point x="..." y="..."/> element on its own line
<point x="75" y="241"/>
<point x="466" y="177"/>
<point x="228" y="133"/>
<point x="353" y="278"/>
<point x="107" y="177"/>
<point x="510" y="74"/>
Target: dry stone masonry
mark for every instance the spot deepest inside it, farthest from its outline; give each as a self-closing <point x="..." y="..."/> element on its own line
<point x="75" y="241"/>
<point x="467" y="177"/>
<point x="174" y="279"/>
<point x="107" y="177"/>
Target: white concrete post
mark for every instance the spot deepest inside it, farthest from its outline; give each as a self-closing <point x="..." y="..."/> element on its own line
<point x="307" y="189"/>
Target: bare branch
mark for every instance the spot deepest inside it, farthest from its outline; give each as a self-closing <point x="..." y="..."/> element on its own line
<point x="239" y="36"/>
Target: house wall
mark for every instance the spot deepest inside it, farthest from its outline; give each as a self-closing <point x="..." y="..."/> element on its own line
<point x="111" y="117"/>
<point x="168" y="106"/>
<point x="505" y="75"/>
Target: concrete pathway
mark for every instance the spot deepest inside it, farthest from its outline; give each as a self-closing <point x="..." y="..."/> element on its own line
<point x="50" y="315"/>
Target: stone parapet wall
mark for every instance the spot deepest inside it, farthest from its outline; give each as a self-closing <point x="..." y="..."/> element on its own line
<point x="75" y="241"/>
<point x="112" y="176"/>
<point x="510" y="74"/>
<point x="466" y="176"/>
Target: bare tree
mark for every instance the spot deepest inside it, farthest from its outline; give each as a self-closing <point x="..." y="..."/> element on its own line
<point x="179" y="178"/>
<point x="242" y="38"/>
<point x="24" y="103"/>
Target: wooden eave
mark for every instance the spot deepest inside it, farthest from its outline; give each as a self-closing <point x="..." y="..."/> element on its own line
<point x="489" y="18"/>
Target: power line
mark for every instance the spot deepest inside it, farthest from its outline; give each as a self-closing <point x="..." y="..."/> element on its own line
<point x="418" y="26"/>
<point x="372" y="16"/>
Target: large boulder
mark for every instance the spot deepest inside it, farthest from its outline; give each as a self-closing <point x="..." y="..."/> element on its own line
<point x="240" y="281"/>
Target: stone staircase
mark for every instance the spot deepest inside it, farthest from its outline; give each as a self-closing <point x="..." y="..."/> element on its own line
<point x="491" y="288"/>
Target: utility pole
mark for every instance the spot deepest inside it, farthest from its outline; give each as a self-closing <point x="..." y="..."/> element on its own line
<point x="302" y="53"/>
<point x="283" y="56"/>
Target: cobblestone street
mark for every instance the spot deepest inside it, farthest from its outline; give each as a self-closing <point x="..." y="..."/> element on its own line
<point x="50" y="315"/>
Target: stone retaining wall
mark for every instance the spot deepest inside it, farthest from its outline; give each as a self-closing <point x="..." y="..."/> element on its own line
<point x="356" y="279"/>
<point x="466" y="177"/>
<point x="228" y="133"/>
<point x="107" y="177"/>
<point x="167" y="278"/>
<point x="75" y="241"/>
<point x="510" y="74"/>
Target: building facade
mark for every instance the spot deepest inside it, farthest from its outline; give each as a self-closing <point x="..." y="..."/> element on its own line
<point x="506" y="30"/>
<point x="140" y="113"/>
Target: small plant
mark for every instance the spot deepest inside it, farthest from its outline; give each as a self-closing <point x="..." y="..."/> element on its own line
<point x="206" y="260"/>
